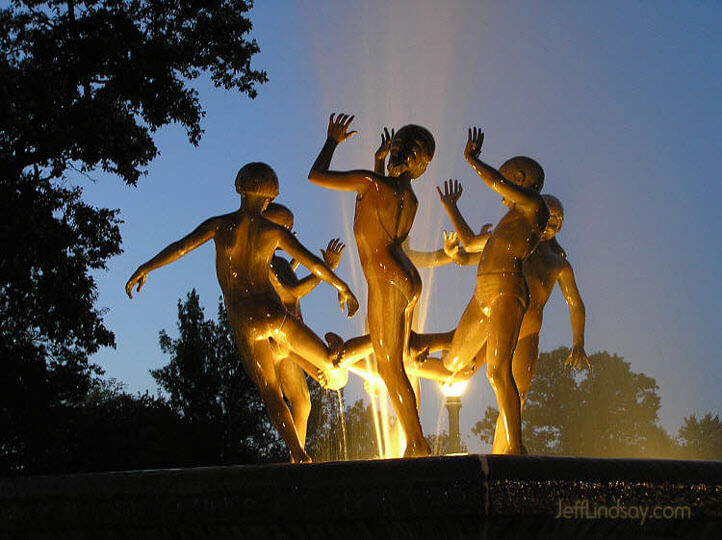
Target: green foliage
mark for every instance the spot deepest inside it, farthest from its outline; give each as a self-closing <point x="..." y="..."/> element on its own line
<point x="701" y="438"/>
<point x="48" y="323"/>
<point x="88" y="82"/>
<point x="334" y="436"/>
<point x="607" y="411"/>
<point x="207" y="386"/>
<point x="84" y="85"/>
<point x="441" y="444"/>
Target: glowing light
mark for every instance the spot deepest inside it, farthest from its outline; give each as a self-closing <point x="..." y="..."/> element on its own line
<point x="453" y="389"/>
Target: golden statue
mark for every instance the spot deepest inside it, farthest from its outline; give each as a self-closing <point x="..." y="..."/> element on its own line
<point x="543" y="269"/>
<point x="357" y="349"/>
<point x="495" y="312"/>
<point x="385" y="210"/>
<point x="245" y="243"/>
<point x="290" y="289"/>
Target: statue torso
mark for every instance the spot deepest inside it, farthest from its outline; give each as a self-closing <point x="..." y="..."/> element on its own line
<point x="244" y="247"/>
<point x="283" y="276"/>
<point x="384" y="215"/>
<point x="541" y="271"/>
<point x="513" y="240"/>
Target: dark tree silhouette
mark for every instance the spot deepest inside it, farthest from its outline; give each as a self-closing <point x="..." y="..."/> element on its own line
<point x="83" y="86"/>
<point x="701" y="438"/>
<point x="608" y="411"/>
<point x="86" y="83"/>
<point x="208" y="387"/>
<point x="51" y="241"/>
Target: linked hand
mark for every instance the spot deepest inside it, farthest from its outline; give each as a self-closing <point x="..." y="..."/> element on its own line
<point x="138" y="278"/>
<point x="451" y="244"/>
<point x="486" y="229"/>
<point x="332" y="378"/>
<point x="383" y="150"/>
<point x="337" y="127"/>
<point x="332" y="253"/>
<point x="473" y="143"/>
<point x="348" y="300"/>
<point x="577" y="358"/>
<point x="451" y="194"/>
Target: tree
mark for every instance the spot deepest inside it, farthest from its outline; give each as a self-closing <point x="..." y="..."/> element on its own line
<point x="84" y="85"/>
<point x="51" y="241"/>
<point x="207" y="386"/>
<point x="334" y="436"/>
<point x="607" y="411"/>
<point x="442" y="445"/>
<point x="701" y="438"/>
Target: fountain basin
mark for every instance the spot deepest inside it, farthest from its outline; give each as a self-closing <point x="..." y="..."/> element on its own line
<point x="475" y="496"/>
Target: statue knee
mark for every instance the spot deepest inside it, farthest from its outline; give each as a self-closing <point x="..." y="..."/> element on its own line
<point x="498" y="374"/>
<point x="304" y="405"/>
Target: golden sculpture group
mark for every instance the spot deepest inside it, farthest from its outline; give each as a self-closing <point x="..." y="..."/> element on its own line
<point x="519" y="262"/>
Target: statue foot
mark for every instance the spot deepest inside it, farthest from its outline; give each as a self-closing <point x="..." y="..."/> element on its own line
<point x="421" y="356"/>
<point x="414" y="449"/>
<point x="302" y="457"/>
<point x="335" y="345"/>
<point x="333" y="378"/>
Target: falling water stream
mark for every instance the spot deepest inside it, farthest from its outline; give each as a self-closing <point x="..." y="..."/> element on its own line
<point x="342" y="416"/>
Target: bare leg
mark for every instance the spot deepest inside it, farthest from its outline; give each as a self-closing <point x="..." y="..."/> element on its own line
<point x="523" y="366"/>
<point x="306" y="366"/>
<point x="258" y="361"/>
<point x="432" y="342"/>
<point x="360" y="347"/>
<point x="506" y="313"/>
<point x="356" y="349"/>
<point x="294" y="387"/>
<point x="468" y="338"/>
<point x="387" y="326"/>
<point x="302" y="341"/>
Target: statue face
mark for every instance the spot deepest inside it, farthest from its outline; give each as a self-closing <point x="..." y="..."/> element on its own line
<point x="556" y="217"/>
<point x="406" y="155"/>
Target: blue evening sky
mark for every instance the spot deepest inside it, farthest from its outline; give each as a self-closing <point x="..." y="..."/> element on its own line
<point x="619" y="101"/>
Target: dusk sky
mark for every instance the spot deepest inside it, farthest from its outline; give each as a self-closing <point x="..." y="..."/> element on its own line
<point x="620" y="102"/>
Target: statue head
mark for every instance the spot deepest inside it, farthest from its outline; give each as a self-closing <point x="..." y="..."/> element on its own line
<point x="279" y="214"/>
<point x="411" y="151"/>
<point x="556" y="217"/>
<point x="523" y="171"/>
<point x="257" y="179"/>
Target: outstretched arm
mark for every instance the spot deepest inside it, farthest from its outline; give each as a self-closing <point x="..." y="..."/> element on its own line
<point x="331" y="256"/>
<point x="173" y="252"/>
<point x="425" y="259"/>
<point x="449" y="197"/>
<point x="458" y="254"/>
<point x="577" y="314"/>
<point x="321" y="176"/>
<point x="289" y="243"/>
<point x="493" y="178"/>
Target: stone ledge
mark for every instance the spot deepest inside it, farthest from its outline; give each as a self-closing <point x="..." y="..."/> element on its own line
<point x="458" y="496"/>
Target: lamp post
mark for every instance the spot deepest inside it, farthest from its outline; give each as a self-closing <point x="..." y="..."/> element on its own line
<point x="453" y="392"/>
<point x="453" y="405"/>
